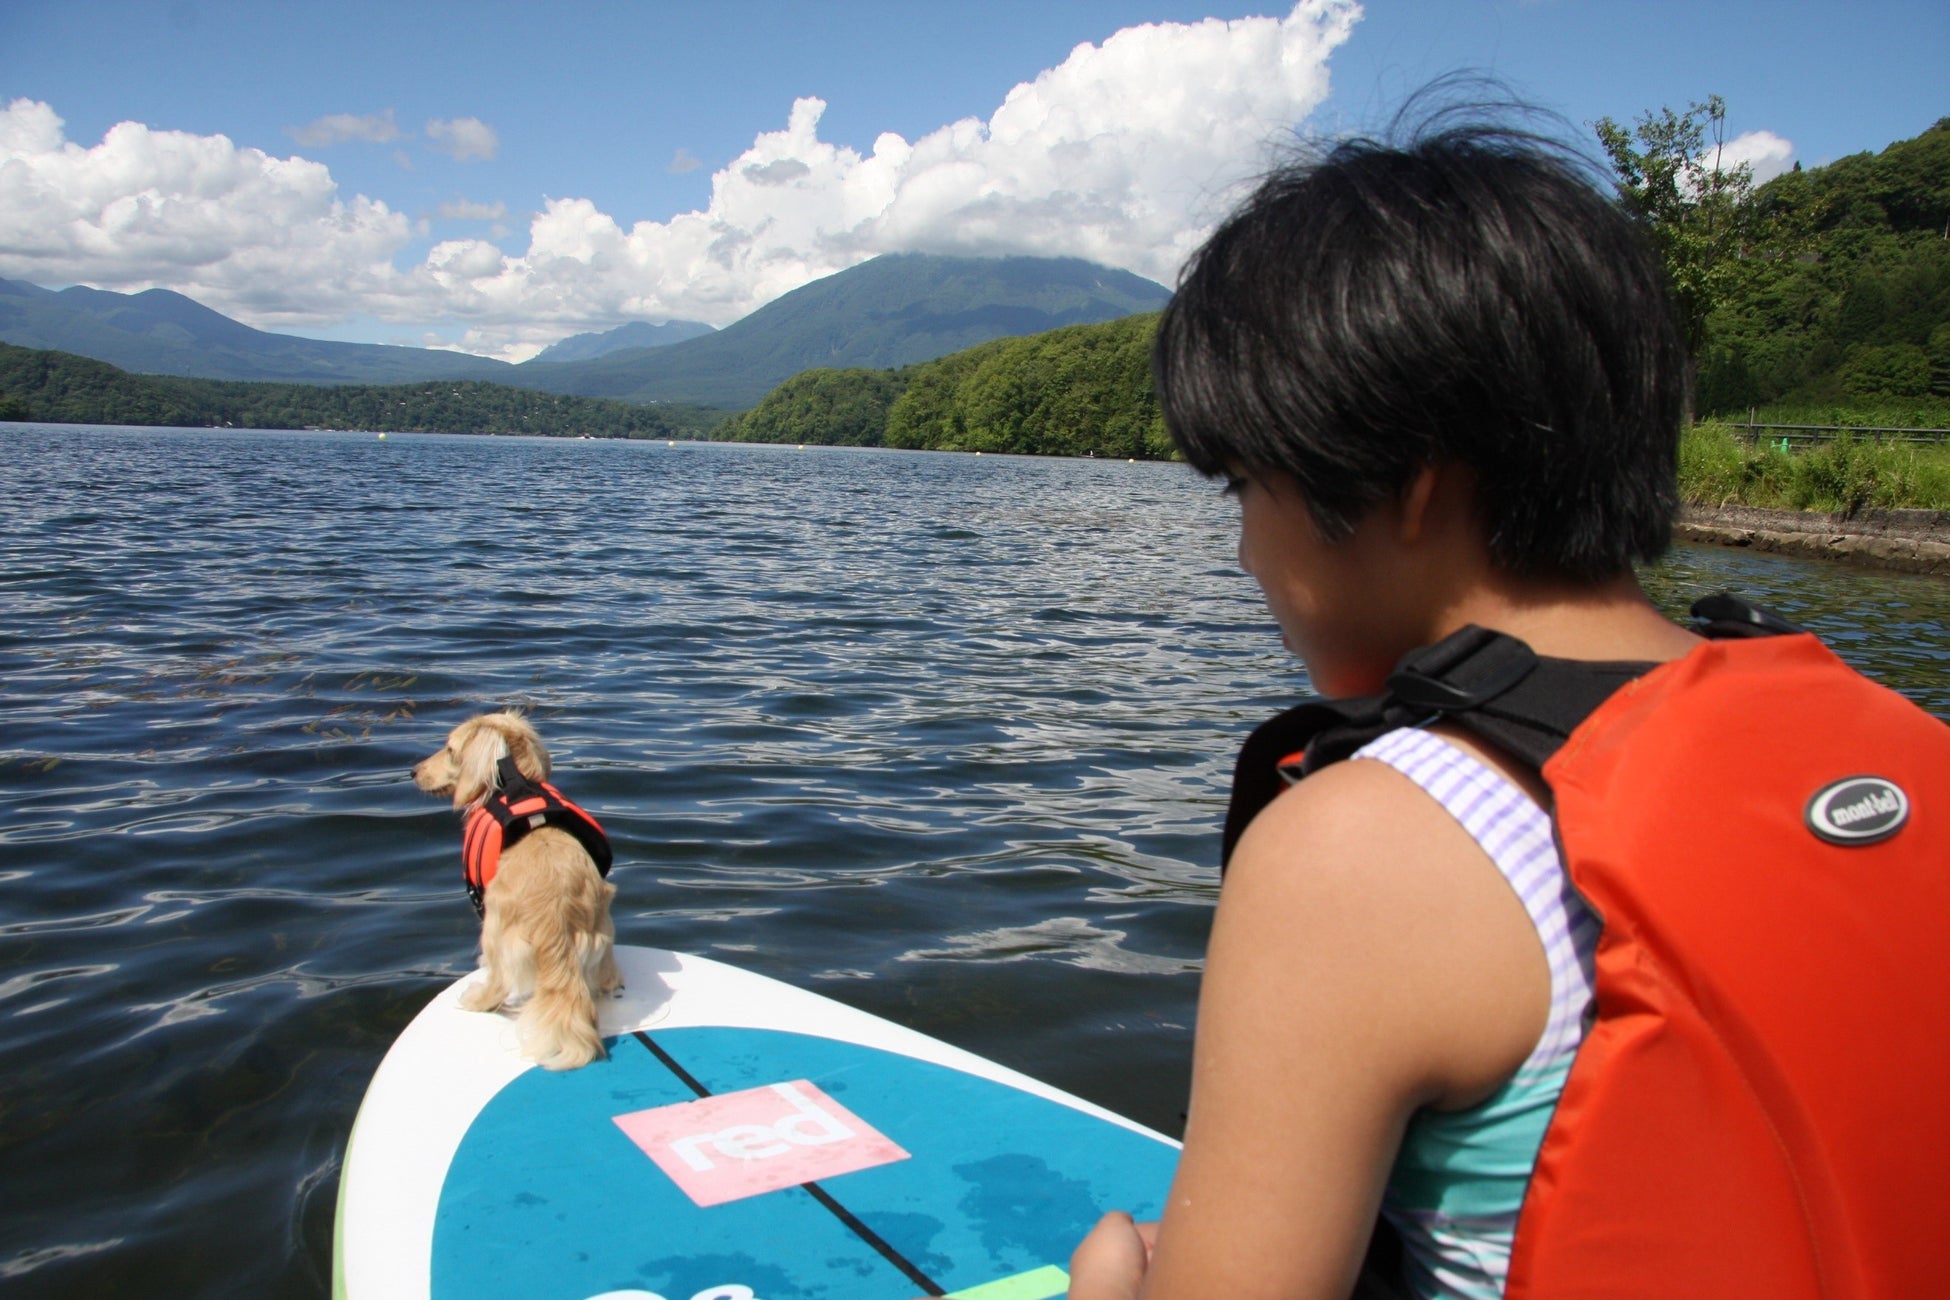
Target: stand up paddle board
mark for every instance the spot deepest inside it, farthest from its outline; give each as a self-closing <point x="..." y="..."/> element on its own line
<point x="744" y="1140"/>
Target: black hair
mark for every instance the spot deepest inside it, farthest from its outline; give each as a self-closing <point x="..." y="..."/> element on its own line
<point x="1470" y="296"/>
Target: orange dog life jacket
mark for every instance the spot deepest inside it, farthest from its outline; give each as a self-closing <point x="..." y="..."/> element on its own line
<point x="1760" y="1105"/>
<point x="510" y="812"/>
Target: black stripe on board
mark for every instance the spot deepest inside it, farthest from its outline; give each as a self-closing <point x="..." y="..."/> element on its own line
<point x="670" y="1063"/>
<point x="820" y="1194"/>
<point x="874" y="1239"/>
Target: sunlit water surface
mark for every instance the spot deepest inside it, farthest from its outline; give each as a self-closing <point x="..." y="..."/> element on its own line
<point x="945" y="737"/>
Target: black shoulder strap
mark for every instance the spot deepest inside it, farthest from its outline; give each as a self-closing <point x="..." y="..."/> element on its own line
<point x="513" y="785"/>
<point x="1497" y="687"/>
<point x="1284" y="747"/>
<point x="1492" y="684"/>
<point x="558" y="812"/>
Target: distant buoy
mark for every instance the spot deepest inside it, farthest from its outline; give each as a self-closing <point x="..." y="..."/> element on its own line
<point x="670" y="444"/>
<point x="382" y="437"/>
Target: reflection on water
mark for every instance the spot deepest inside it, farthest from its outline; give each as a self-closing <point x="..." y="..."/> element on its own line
<point x="944" y="737"/>
<point x="1890" y="625"/>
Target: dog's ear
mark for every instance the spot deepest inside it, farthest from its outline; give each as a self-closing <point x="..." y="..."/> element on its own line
<point x="477" y="750"/>
<point x="524" y="746"/>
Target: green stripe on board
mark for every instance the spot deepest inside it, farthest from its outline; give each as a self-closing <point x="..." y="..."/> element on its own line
<point x="338" y="1218"/>
<point x="1037" y="1284"/>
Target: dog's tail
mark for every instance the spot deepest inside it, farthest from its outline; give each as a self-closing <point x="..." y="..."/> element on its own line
<point x="557" y="1027"/>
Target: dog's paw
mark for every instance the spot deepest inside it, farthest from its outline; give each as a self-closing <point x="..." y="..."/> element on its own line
<point x="483" y="997"/>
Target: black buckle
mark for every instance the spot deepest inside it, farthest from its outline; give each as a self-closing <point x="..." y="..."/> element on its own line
<point x="1487" y="664"/>
<point x="1726" y="616"/>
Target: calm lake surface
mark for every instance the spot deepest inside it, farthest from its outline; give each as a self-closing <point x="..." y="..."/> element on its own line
<point x="945" y="737"/>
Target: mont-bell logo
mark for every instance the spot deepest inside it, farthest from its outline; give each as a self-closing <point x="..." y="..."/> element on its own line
<point x="1858" y="810"/>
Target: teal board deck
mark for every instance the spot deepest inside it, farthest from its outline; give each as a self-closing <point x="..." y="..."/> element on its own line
<point x="548" y="1196"/>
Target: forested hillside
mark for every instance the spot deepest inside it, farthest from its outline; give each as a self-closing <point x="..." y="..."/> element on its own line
<point x="57" y="387"/>
<point x="1845" y="296"/>
<point x="832" y="408"/>
<point x="1823" y="292"/>
<point x="1084" y="390"/>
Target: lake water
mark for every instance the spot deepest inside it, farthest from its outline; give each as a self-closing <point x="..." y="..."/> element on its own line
<point x="946" y="737"/>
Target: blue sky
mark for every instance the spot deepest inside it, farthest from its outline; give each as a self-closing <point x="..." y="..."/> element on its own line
<point x="496" y="176"/>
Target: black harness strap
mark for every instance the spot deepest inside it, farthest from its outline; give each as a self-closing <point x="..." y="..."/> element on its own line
<point x="556" y="811"/>
<point x="1492" y="684"/>
<point x="541" y="804"/>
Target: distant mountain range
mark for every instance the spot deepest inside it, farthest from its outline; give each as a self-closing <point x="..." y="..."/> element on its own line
<point x="158" y="332"/>
<point x="636" y="334"/>
<point x="892" y="311"/>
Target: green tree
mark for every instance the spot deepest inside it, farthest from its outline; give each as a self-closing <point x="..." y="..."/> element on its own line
<point x="1887" y="370"/>
<point x="1838" y="275"/>
<point x="1673" y="178"/>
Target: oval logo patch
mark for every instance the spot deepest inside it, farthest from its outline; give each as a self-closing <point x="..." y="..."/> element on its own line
<point x="1858" y="810"/>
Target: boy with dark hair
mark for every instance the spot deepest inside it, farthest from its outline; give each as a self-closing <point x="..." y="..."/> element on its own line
<point x="1473" y="301"/>
<point x="1575" y="972"/>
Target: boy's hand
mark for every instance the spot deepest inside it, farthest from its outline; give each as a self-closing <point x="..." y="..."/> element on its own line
<point x="1111" y="1261"/>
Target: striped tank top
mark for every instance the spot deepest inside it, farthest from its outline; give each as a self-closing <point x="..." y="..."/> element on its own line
<point x="1460" y="1176"/>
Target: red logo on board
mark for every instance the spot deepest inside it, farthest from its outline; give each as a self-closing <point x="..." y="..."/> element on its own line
<point x="741" y="1144"/>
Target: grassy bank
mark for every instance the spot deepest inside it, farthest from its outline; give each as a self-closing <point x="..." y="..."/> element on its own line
<point x="1719" y="468"/>
<point x="1886" y="413"/>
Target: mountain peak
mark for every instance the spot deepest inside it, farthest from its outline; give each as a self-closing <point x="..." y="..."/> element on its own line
<point x="635" y="334"/>
<point x="894" y="310"/>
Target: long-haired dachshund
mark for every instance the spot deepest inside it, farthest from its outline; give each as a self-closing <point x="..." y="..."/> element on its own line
<point x="535" y="866"/>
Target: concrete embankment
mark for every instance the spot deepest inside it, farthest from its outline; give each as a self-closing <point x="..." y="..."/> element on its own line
<point x="1912" y="541"/>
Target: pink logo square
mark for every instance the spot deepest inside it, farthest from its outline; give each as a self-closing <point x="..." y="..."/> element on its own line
<point x="741" y="1144"/>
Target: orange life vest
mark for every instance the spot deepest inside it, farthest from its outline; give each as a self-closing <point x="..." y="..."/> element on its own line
<point x="510" y="812"/>
<point x="1761" y="1106"/>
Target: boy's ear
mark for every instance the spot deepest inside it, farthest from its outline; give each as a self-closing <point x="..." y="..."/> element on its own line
<point x="1415" y="501"/>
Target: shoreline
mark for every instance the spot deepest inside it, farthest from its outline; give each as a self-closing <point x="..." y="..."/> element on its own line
<point x="1907" y="541"/>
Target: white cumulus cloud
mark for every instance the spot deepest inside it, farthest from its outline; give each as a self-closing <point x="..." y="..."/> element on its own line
<point x="1768" y="154"/>
<point x="377" y="128"/>
<point x="268" y="239"/>
<point x="1125" y="153"/>
<point x="463" y="138"/>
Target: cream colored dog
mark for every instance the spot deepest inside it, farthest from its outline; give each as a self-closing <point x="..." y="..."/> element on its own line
<point x="546" y="934"/>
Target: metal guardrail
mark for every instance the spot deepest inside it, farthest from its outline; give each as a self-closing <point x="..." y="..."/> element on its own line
<point x="1788" y="434"/>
